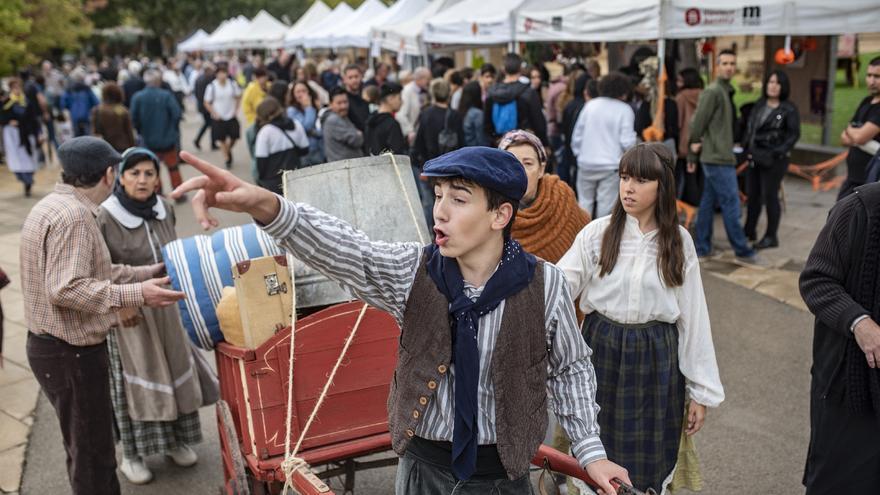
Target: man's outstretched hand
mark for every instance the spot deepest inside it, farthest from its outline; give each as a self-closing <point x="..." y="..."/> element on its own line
<point x="219" y="188"/>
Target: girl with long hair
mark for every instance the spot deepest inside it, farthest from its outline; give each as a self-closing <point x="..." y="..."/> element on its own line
<point x="638" y="279"/>
<point x="303" y="105"/>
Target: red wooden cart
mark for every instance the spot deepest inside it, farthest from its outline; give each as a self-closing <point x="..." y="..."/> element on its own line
<point x="351" y="423"/>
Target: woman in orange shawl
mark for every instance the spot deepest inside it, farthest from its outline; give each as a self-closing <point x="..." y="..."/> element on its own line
<point x="549" y="217"/>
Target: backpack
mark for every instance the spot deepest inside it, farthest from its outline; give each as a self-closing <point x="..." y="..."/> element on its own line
<point x="447" y="140"/>
<point x="504" y="117"/>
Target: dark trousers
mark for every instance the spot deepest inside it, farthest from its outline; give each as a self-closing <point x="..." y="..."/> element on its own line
<point x="844" y="454"/>
<point x="76" y="380"/>
<point x="762" y="188"/>
<point x="206" y="124"/>
<point x="417" y="477"/>
<point x="81" y="128"/>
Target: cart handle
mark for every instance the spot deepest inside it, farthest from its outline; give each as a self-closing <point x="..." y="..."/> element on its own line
<point x="550" y="458"/>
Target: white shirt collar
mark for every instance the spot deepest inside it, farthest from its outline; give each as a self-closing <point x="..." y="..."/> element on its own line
<point x="125" y="217"/>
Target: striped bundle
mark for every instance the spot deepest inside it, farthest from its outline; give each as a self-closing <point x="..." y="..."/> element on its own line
<point x="201" y="266"/>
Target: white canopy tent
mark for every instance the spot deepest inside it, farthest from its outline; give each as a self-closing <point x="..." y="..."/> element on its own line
<point x="264" y="31"/>
<point x="480" y="22"/>
<point x="406" y="37"/>
<point x="221" y="38"/>
<point x="193" y="43"/>
<point x="329" y="34"/>
<point x="361" y="34"/>
<point x="622" y="20"/>
<point x="337" y="15"/>
<point x="315" y="14"/>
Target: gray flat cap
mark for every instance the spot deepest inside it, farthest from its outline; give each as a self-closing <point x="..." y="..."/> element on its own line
<point x="86" y="155"/>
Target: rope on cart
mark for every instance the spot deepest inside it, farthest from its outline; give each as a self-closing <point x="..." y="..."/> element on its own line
<point x="291" y="462"/>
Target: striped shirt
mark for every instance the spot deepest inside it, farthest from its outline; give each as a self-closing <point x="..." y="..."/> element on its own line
<point x="382" y="274"/>
<point x="71" y="289"/>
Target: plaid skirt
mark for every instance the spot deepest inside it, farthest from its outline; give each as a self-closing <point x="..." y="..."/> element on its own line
<point x="144" y="438"/>
<point x="641" y="393"/>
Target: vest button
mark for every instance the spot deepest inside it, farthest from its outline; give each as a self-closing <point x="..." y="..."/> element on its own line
<point x="432" y="384"/>
<point x="416" y="413"/>
<point x="410" y="433"/>
<point x="441" y="369"/>
<point x="423" y="400"/>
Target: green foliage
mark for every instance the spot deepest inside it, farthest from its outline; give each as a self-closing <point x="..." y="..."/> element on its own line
<point x="31" y="30"/>
<point x="14" y="28"/>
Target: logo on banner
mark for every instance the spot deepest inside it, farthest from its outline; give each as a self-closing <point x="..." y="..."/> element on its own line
<point x="692" y="17"/>
<point x="557" y="23"/>
<point x="528" y="24"/>
<point x="752" y="15"/>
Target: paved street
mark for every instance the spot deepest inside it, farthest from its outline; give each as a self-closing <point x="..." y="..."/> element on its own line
<point x="754" y="443"/>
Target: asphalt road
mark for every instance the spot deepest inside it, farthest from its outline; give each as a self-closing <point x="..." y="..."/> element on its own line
<point x="755" y="442"/>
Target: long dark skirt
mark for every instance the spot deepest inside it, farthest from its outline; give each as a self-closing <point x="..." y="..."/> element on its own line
<point x="641" y="393"/>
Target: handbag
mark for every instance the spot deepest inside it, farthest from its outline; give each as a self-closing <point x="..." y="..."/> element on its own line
<point x="447" y="140"/>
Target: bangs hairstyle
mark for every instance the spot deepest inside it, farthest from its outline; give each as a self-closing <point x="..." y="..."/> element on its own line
<point x="494" y="198"/>
<point x="649" y="161"/>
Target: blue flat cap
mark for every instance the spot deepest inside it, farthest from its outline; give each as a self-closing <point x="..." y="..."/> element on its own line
<point x="491" y="168"/>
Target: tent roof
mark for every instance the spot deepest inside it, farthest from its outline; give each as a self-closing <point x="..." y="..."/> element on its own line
<point x="194" y="42"/>
<point x="405" y="36"/>
<point x="361" y="34"/>
<point x="317" y="12"/>
<point x="480" y="22"/>
<point x="597" y="20"/>
<point x="227" y="31"/>
<point x="264" y="31"/>
<point x="326" y="36"/>
<point x="337" y="15"/>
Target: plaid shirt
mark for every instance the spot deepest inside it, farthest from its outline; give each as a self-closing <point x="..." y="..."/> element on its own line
<point x="70" y="286"/>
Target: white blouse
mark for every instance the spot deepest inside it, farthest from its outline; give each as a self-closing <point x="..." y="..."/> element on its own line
<point x="634" y="293"/>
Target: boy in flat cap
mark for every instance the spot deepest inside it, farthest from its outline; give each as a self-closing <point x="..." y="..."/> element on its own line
<point x="71" y="295"/>
<point x="489" y="338"/>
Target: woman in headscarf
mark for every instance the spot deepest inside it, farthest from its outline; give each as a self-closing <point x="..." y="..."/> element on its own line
<point x="154" y="371"/>
<point x="21" y="130"/>
<point x="549" y="217"/>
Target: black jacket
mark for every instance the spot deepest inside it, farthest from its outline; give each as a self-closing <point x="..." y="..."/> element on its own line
<point x="382" y="133"/>
<point x="131" y="86"/>
<point x="644" y="119"/>
<point x="358" y="110"/>
<point x="771" y="140"/>
<point x="432" y="120"/>
<point x="529" y="111"/>
<point x="199" y="89"/>
<point x="832" y="284"/>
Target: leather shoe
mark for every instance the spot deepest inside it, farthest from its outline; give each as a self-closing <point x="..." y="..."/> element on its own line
<point x="767" y="242"/>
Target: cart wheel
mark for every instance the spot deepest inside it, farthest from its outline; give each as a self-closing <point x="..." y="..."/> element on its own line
<point x="233" y="463"/>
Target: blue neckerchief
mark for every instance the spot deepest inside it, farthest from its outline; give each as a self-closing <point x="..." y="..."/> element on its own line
<point x="514" y="273"/>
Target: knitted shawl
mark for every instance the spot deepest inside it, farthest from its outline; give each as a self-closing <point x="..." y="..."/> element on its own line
<point x="548" y="227"/>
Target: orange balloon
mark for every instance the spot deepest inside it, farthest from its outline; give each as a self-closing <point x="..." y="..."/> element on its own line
<point x="784" y="57"/>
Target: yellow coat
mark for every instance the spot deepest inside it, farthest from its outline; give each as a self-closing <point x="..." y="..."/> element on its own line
<point x="253" y="96"/>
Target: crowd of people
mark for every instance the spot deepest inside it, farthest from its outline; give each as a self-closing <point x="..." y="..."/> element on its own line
<point x="511" y="164"/>
<point x="331" y="110"/>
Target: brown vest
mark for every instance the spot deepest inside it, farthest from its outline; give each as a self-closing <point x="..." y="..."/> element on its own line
<point x="519" y="368"/>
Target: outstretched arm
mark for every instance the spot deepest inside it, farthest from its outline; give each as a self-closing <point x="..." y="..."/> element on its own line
<point x="379" y="273"/>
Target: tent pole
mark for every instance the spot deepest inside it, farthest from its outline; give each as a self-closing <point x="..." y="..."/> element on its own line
<point x="827" y="120"/>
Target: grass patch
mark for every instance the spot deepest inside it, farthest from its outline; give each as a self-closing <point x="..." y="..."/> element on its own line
<point x="846" y="100"/>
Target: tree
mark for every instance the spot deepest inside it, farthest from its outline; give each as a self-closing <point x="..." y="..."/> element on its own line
<point x="55" y="24"/>
<point x="14" y="27"/>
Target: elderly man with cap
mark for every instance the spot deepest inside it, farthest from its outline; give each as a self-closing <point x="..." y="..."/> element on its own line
<point x="489" y="338"/>
<point x="72" y="292"/>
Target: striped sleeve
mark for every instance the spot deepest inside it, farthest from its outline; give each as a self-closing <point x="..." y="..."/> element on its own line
<point x="571" y="382"/>
<point x="376" y="272"/>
